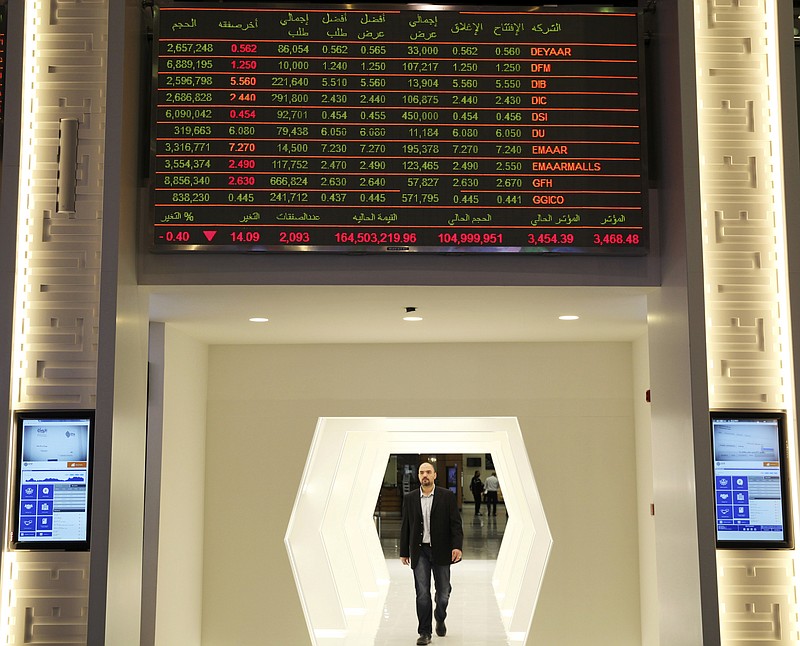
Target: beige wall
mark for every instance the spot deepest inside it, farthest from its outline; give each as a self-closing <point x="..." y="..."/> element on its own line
<point x="180" y="580"/>
<point x="574" y="404"/>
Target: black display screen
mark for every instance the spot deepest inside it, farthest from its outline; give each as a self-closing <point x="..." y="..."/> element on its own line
<point x="53" y="480"/>
<point x="751" y="481"/>
<point x="387" y="128"/>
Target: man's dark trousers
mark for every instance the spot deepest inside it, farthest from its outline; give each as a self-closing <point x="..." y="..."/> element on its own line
<point x="422" y="581"/>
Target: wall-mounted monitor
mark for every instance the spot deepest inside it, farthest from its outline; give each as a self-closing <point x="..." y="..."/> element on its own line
<point x="391" y="128"/>
<point x="751" y="480"/>
<point x="53" y="473"/>
<point x="452" y="478"/>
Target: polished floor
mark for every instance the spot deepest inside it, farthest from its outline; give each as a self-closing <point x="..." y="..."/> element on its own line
<point x="473" y="614"/>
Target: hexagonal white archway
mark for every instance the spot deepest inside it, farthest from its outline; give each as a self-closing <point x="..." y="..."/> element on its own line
<point x="334" y="550"/>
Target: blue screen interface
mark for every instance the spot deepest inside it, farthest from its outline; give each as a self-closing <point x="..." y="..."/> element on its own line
<point x="53" y="489"/>
<point x="747" y="480"/>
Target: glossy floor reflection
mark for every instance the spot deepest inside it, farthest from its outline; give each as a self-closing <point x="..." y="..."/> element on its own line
<point x="473" y="614"/>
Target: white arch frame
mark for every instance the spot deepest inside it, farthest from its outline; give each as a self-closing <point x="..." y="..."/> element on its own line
<point x="334" y="550"/>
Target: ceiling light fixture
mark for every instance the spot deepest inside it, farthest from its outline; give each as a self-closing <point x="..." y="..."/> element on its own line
<point x="568" y="317"/>
<point x="258" y="319"/>
<point x="411" y="314"/>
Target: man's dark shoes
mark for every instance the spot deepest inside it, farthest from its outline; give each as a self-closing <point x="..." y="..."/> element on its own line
<point x="423" y="639"/>
<point x="441" y="629"/>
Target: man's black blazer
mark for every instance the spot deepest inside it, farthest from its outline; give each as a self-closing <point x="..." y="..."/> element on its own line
<point x="446" y="531"/>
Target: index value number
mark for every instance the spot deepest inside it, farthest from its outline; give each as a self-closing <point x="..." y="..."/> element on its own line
<point x="616" y="238"/>
<point x="550" y="238"/>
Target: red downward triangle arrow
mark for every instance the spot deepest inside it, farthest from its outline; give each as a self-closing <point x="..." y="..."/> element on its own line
<point x="210" y="235"/>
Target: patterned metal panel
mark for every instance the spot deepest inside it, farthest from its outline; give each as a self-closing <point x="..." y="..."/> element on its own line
<point x="744" y="265"/>
<point x="746" y="333"/>
<point x="58" y="291"/>
<point x="58" y="328"/>
<point x="50" y="598"/>
<point x="755" y="601"/>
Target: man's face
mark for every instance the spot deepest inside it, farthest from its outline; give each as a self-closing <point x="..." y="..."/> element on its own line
<point x="426" y="474"/>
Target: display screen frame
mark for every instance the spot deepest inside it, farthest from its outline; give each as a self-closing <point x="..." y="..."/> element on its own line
<point x="23" y="426"/>
<point x="547" y="245"/>
<point x="725" y="482"/>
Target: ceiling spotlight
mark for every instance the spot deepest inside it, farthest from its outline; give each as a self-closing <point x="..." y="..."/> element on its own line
<point x="568" y="317"/>
<point x="258" y="319"/>
<point x="412" y="315"/>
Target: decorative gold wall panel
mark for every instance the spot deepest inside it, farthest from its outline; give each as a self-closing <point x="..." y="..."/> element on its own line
<point x="745" y="273"/>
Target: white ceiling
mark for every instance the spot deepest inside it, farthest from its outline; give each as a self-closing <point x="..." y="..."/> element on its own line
<point x="373" y="314"/>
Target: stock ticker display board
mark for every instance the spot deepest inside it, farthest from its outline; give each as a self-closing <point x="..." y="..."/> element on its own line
<point x="385" y="128"/>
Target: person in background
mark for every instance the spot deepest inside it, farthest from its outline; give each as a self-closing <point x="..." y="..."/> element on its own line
<point x="476" y="487"/>
<point x="492" y="487"/>
<point x="431" y="538"/>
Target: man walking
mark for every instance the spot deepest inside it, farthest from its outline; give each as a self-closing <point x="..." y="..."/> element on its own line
<point x="431" y="538"/>
<point x="476" y="487"/>
<point x="492" y="487"/>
